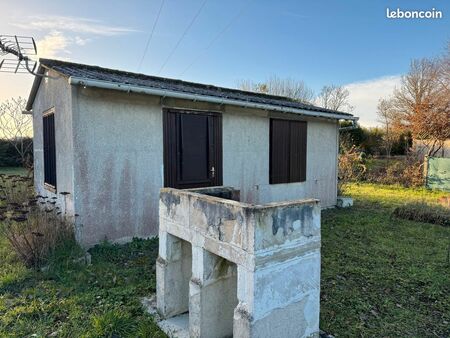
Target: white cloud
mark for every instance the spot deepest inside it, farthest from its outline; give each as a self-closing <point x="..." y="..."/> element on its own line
<point x="57" y="45"/>
<point x="60" y="33"/>
<point x="364" y="96"/>
<point x="53" y="45"/>
<point x="72" y="24"/>
<point x="81" y="41"/>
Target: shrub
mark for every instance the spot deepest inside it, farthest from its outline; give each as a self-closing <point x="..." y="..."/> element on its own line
<point x="34" y="226"/>
<point x="351" y="166"/>
<point x="9" y="156"/>
<point x="406" y="171"/>
<point x="423" y="212"/>
<point x="402" y="144"/>
<point x="412" y="175"/>
<point x="370" y="140"/>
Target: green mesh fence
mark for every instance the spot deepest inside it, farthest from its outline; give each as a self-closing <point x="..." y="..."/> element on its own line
<point x="438" y="173"/>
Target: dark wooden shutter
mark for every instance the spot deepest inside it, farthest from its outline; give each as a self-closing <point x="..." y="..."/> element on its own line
<point x="287" y="151"/>
<point x="192" y="149"/>
<point x="279" y="151"/>
<point x="297" y="151"/>
<point x="49" y="150"/>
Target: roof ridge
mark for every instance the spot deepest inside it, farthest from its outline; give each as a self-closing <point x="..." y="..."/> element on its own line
<point x="45" y="61"/>
<point x="94" y="72"/>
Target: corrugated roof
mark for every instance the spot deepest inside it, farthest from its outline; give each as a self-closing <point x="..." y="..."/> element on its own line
<point x="96" y="73"/>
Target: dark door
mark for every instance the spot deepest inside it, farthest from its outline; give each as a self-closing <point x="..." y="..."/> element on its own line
<point x="192" y="149"/>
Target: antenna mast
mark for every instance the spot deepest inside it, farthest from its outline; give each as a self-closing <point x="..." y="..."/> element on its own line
<point x="22" y="47"/>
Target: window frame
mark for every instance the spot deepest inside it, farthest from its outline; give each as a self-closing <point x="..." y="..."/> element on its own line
<point x="48" y="185"/>
<point x="291" y="176"/>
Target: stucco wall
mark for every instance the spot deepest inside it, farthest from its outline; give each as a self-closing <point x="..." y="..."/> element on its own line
<point x="118" y="164"/>
<point x="246" y="160"/>
<point x="110" y="157"/>
<point x="55" y="93"/>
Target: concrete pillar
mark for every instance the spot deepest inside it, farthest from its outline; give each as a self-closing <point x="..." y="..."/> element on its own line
<point x="173" y="272"/>
<point x="243" y="318"/>
<point x="212" y="295"/>
<point x="279" y="298"/>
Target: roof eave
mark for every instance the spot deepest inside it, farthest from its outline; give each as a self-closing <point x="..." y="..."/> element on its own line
<point x="34" y="90"/>
<point x="212" y="99"/>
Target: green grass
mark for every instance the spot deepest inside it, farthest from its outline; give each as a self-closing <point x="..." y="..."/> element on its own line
<point x="384" y="277"/>
<point x="14" y="171"/>
<point x="75" y="300"/>
<point x="369" y="195"/>
<point x="381" y="277"/>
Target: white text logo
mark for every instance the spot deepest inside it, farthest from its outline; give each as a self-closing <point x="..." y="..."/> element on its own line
<point x="401" y="14"/>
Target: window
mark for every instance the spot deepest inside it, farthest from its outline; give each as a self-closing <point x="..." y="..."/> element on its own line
<point x="287" y="151"/>
<point x="49" y="149"/>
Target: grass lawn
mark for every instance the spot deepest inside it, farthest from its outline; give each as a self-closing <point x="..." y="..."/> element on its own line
<point x="14" y="171"/>
<point x="74" y="300"/>
<point x="384" y="277"/>
<point x="381" y="277"/>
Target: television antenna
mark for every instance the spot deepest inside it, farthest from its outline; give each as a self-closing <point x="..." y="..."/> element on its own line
<point x="22" y="47"/>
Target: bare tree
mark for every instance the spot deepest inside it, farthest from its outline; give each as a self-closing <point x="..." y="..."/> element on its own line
<point x="294" y="89"/>
<point x="386" y="116"/>
<point x="335" y="98"/>
<point x="422" y="103"/>
<point x="16" y="127"/>
<point x="445" y="67"/>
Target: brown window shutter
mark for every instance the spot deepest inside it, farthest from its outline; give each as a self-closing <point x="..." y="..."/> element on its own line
<point x="49" y="150"/>
<point x="279" y="151"/>
<point x="297" y="151"/>
<point x="287" y="151"/>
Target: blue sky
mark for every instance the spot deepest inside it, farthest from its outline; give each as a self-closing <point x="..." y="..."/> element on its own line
<point x="348" y="43"/>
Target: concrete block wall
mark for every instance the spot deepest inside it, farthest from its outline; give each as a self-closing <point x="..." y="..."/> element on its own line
<point x="255" y="268"/>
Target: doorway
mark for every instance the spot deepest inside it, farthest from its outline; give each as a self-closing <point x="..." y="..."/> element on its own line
<point x="192" y="149"/>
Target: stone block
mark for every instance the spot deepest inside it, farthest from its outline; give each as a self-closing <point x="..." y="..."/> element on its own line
<point x="344" y="202"/>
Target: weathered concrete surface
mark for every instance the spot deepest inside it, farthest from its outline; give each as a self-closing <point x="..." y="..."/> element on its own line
<point x="176" y="326"/>
<point x="109" y="156"/>
<point x="212" y="295"/>
<point x="118" y="153"/>
<point x="227" y="193"/>
<point x="246" y="159"/>
<point x="273" y="249"/>
<point x="173" y="271"/>
<point x="58" y="94"/>
<point x="344" y="202"/>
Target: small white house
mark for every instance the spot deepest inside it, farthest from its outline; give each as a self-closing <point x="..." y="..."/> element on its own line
<point x="112" y="139"/>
